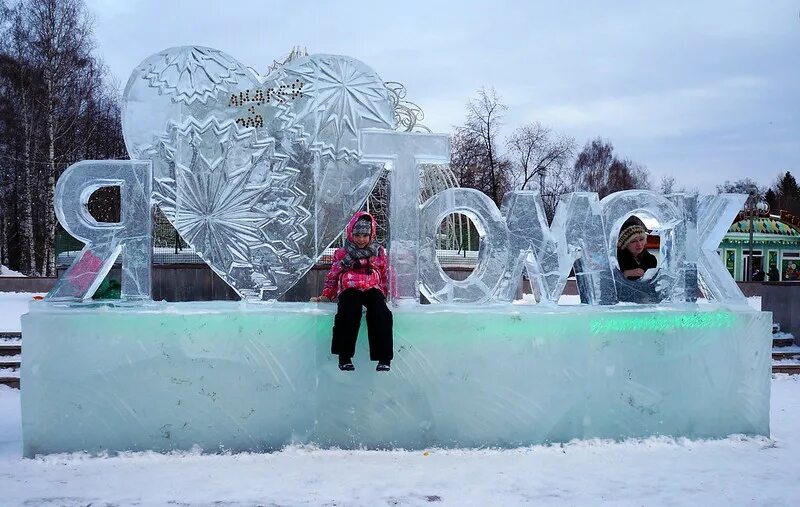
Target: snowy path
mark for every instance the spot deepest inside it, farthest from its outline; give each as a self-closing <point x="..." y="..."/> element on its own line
<point x="735" y="471"/>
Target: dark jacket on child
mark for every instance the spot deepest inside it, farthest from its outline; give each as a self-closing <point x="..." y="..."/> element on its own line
<point x="627" y="261"/>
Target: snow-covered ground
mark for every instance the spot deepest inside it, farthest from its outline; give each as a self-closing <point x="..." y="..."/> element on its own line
<point x="12" y="306"/>
<point x="6" y="271"/>
<point x="655" y="471"/>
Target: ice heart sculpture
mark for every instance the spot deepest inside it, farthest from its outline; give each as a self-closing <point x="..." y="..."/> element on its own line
<point x="258" y="175"/>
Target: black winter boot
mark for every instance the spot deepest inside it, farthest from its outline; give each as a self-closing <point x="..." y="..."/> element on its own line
<point x="346" y="364"/>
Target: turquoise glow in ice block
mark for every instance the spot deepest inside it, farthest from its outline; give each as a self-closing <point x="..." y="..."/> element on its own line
<point x="235" y="376"/>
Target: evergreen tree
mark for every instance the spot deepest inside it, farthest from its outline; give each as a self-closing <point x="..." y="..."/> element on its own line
<point x="787" y="194"/>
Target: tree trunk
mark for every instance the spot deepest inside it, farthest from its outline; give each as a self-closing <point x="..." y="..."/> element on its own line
<point x="50" y="219"/>
<point x="3" y="241"/>
<point x="27" y="255"/>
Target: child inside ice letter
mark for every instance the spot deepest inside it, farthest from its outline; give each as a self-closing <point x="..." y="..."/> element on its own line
<point x="358" y="278"/>
<point x="633" y="257"/>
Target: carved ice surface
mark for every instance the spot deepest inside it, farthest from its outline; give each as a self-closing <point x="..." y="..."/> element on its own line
<point x="517" y="237"/>
<point x="228" y="376"/>
<point x="684" y="245"/>
<point x="575" y="239"/>
<point x="258" y="175"/>
<point x="666" y="282"/>
<point x="132" y="236"/>
<point x="405" y="152"/>
<point x="494" y="256"/>
<point x="715" y="213"/>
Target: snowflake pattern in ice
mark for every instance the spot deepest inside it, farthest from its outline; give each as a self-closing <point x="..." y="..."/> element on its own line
<point x="258" y="200"/>
<point x="194" y="74"/>
<point x="345" y="96"/>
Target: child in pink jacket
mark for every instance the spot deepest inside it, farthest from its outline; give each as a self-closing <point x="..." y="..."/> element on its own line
<point x="358" y="278"/>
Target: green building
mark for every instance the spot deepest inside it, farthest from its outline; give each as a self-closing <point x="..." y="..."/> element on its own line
<point x="776" y="243"/>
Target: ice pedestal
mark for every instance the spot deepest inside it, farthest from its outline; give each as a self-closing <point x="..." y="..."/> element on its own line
<point x="235" y="376"/>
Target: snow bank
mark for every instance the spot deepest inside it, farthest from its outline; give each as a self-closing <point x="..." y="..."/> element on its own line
<point x="654" y="471"/>
<point x="5" y="271"/>
<point x="12" y="306"/>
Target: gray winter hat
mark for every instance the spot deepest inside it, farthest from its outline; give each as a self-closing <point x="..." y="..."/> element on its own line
<point x="363" y="226"/>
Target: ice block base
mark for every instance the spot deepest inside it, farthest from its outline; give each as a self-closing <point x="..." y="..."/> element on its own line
<point x="228" y="376"/>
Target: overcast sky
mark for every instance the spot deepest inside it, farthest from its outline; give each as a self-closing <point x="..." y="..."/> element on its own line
<point x="704" y="91"/>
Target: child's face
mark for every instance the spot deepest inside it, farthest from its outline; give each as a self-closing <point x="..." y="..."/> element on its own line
<point x="636" y="246"/>
<point x="361" y="240"/>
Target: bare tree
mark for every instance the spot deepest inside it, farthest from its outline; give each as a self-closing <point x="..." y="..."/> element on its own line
<point x="742" y="186"/>
<point x="538" y="151"/>
<point x="480" y="163"/>
<point x="21" y="84"/>
<point x="667" y="184"/>
<point x="55" y="109"/>
<point x="61" y="43"/>
<point x="597" y="169"/>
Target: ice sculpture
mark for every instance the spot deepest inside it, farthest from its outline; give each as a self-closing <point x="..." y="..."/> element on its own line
<point x="576" y="240"/>
<point x="655" y="286"/>
<point x="230" y="377"/>
<point x="493" y="258"/>
<point x="258" y="175"/>
<point x="685" y="247"/>
<point x="518" y="237"/>
<point x="132" y="236"/>
<point x="405" y="152"/>
<point x="714" y="216"/>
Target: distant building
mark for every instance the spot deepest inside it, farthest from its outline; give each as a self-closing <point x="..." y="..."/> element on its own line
<point x="776" y="244"/>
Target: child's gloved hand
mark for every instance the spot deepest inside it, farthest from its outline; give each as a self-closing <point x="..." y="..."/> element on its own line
<point x="321" y="299"/>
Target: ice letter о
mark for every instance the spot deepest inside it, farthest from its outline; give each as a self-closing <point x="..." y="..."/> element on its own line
<point x="104" y="241"/>
<point x="493" y="257"/>
<point x="620" y="206"/>
<point x="405" y="151"/>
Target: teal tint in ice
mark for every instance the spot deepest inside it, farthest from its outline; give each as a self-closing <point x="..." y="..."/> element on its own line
<point x="228" y="376"/>
<point x="132" y="236"/>
<point x="258" y="174"/>
<point x="405" y="152"/>
<point x="494" y="255"/>
<point x="715" y="213"/>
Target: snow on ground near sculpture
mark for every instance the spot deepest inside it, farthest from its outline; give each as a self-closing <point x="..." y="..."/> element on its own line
<point x="653" y="471"/>
<point x="6" y="271"/>
<point x="12" y="306"/>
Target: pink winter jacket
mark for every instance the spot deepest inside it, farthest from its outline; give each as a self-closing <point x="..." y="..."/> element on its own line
<point x="363" y="274"/>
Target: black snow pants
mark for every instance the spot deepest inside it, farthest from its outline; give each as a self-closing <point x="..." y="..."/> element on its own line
<point x="348" y="320"/>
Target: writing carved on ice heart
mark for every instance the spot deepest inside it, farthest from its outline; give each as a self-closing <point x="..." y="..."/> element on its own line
<point x="258" y="174"/>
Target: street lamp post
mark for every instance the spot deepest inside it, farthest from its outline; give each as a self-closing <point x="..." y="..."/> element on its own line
<point x="752" y="206"/>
